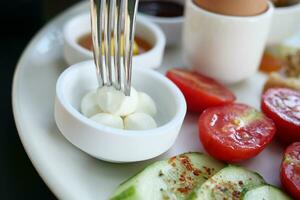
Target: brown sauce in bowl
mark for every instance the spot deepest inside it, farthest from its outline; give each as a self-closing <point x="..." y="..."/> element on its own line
<point x="86" y="42"/>
<point x="161" y="8"/>
<point x="285" y="3"/>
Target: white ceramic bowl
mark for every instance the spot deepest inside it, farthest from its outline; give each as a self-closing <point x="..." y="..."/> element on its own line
<point x="285" y="22"/>
<point x="171" y="26"/>
<point x="146" y="30"/>
<point x="112" y="144"/>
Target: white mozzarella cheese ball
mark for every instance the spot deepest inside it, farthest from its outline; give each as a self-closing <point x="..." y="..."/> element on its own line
<point x="109" y="120"/>
<point x="115" y="102"/>
<point x="146" y="104"/>
<point x="89" y="105"/>
<point x="139" y="121"/>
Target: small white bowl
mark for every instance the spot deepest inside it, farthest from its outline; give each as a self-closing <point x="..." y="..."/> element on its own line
<point x="146" y="30"/>
<point x="112" y="144"/>
<point x="285" y="22"/>
<point x="171" y="26"/>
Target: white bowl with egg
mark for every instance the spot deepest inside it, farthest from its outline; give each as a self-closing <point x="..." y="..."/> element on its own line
<point x="112" y="144"/>
<point x="148" y="31"/>
<point x="285" y="23"/>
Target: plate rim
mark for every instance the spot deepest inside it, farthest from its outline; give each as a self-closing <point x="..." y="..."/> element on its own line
<point x="54" y="186"/>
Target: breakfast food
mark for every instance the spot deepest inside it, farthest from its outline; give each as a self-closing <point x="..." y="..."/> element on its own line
<point x="195" y="176"/>
<point x="174" y="178"/>
<point x="293" y="65"/>
<point x="200" y="92"/>
<point x="276" y="80"/>
<point x="161" y="8"/>
<point x="266" y="192"/>
<point x="229" y="183"/>
<point x="109" y="106"/>
<point x="283" y="106"/>
<point x="270" y="63"/>
<point x="290" y="170"/>
<point x="139" y="46"/>
<point x="109" y="120"/>
<point x="234" y="7"/>
<point x="89" y="105"/>
<point x="289" y="75"/>
<point x="139" y="121"/>
<point x="146" y="104"/>
<point x="114" y="101"/>
<point x="235" y="132"/>
<point x="284" y="3"/>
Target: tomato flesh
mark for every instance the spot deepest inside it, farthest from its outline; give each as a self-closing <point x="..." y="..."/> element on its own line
<point x="283" y="106"/>
<point x="290" y="170"/>
<point x="234" y="132"/>
<point x="200" y="92"/>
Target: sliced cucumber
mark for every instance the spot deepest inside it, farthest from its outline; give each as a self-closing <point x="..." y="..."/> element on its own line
<point x="266" y="192"/>
<point x="229" y="183"/>
<point x="170" y="179"/>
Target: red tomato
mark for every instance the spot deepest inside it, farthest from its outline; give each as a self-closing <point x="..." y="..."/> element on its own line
<point x="200" y="92"/>
<point x="283" y="106"/>
<point x="290" y="170"/>
<point x="235" y="132"/>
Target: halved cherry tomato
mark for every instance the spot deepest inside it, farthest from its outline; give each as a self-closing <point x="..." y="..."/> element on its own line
<point x="200" y="92"/>
<point x="235" y="132"/>
<point x="290" y="170"/>
<point x="283" y="106"/>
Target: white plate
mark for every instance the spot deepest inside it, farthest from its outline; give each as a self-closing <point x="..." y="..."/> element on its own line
<point x="70" y="173"/>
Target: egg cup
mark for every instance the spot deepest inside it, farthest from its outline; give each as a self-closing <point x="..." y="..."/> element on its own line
<point x="226" y="48"/>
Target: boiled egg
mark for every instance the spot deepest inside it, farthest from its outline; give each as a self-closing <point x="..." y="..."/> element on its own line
<point x="234" y="7"/>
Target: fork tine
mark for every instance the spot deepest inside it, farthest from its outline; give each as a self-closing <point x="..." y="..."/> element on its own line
<point x="108" y="10"/>
<point x="117" y="42"/>
<point x="129" y="29"/>
<point x="97" y="24"/>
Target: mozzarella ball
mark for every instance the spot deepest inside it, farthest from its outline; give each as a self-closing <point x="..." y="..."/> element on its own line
<point x="146" y="104"/>
<point x="108" y="120"/>
<point x="89" y="105"/>
<point x="139" y="121"/>
<point x="115" y="102"/>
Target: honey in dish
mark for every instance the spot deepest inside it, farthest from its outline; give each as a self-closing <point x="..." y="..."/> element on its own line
<point x="86" y="42"/>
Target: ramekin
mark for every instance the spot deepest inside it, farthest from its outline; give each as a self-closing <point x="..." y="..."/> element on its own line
<point x="80" y="25"/>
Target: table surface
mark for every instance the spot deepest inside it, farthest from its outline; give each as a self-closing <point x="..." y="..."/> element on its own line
<point x="19" y="179"/>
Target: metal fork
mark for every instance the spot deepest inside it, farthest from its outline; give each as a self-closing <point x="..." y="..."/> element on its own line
<point x="112" y="18"/>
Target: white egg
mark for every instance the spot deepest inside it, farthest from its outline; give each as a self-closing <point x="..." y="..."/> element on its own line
<point x="109" y="120"/>
<point x="115" y="102"/>
<point x="139" y="121"/>
<point x="89" y="105"/>
<point x="146" y="104"/>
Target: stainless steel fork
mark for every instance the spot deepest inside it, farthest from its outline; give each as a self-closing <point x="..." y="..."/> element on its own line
<point x="113" y="18"/>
